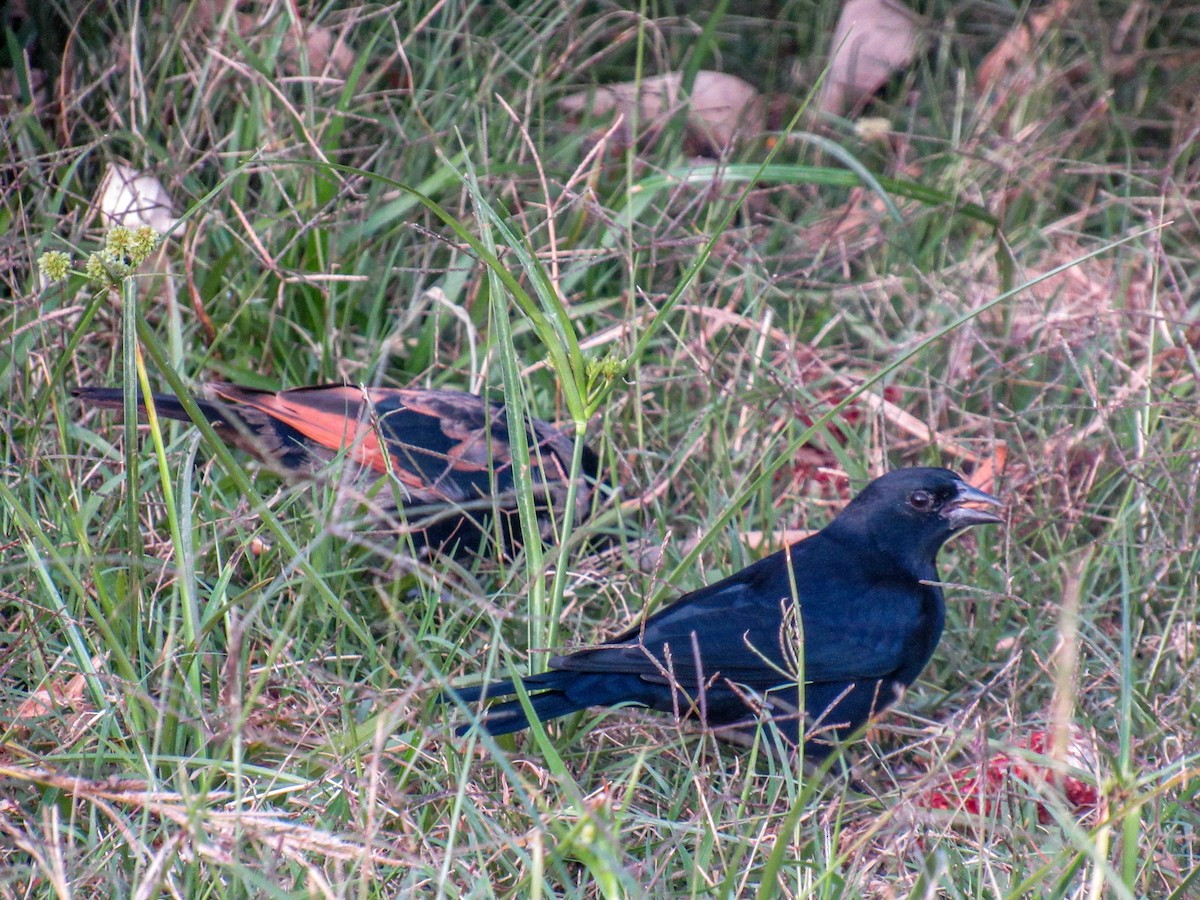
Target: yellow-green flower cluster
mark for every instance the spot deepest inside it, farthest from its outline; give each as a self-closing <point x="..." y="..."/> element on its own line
<point x="54" y="265"/>
<point x="607" y="368"/>
<point x="124" y="250"/>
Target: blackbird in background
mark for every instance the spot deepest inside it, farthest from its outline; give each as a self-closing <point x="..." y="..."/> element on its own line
<point x="447" y="452"/>
<point x="870" y="616"/>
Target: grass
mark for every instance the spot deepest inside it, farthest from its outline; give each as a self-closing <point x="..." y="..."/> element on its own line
<point x="217" y="685"/>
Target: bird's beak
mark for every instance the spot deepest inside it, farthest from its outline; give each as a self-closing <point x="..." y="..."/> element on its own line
<point x="962" y="515"/>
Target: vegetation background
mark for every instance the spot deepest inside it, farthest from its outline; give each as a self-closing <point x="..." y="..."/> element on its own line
<point x="215" y="685"/>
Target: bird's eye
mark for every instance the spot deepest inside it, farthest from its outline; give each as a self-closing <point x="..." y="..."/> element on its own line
<point x="922" y="501"/>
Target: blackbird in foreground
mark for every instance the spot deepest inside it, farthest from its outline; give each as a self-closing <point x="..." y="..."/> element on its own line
<point x="447" y="452"/>
<point x="870" y="616"/>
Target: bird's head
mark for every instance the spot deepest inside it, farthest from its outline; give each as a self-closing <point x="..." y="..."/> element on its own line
<point x="912" y="512"/>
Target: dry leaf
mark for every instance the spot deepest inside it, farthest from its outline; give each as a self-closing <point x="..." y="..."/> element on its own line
<point x="1015" y="51"/>
<point x="774" y="540"/>
<point x="52" y="697"/>
<point x="326" y="54"/>
<point x="720" y="108"/>
<point x="57" y="713"/>
<point x="989" y="469"/>
<point x="872" y="40"/>
<point x="128" y="197"/>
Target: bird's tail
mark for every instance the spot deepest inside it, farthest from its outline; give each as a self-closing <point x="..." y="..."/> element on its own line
<point x="166" y="405"/>
<point x="550" y="695"/>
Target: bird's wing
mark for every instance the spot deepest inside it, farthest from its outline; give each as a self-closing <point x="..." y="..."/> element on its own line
<point x="331" y="416"/>
<point x="744" y="629"/>
<point x="872" y="632"/>
<point x="461" y="443"/>
<point x="732" y="627"/>
<point x="456" y="443"/>
<point x="443" y="445"/>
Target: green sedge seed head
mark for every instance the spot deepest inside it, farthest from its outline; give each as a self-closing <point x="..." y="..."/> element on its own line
<point x="608" y="368"/>
<point x="119" y="241"/>
<point x="144" y="240"/>
<point x="54" y="265"/>
<point x="106" y="269"/>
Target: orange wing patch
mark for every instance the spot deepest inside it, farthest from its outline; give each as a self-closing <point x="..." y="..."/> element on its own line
<point x="332" y="417"/>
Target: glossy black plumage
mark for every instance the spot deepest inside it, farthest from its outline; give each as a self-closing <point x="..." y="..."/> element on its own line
<point x="728" y="653"/>
<point x="446" y="452"/>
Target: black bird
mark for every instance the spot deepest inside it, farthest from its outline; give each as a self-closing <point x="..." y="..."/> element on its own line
<point x="870" y="616"/>
<point x="447" y="453"/>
